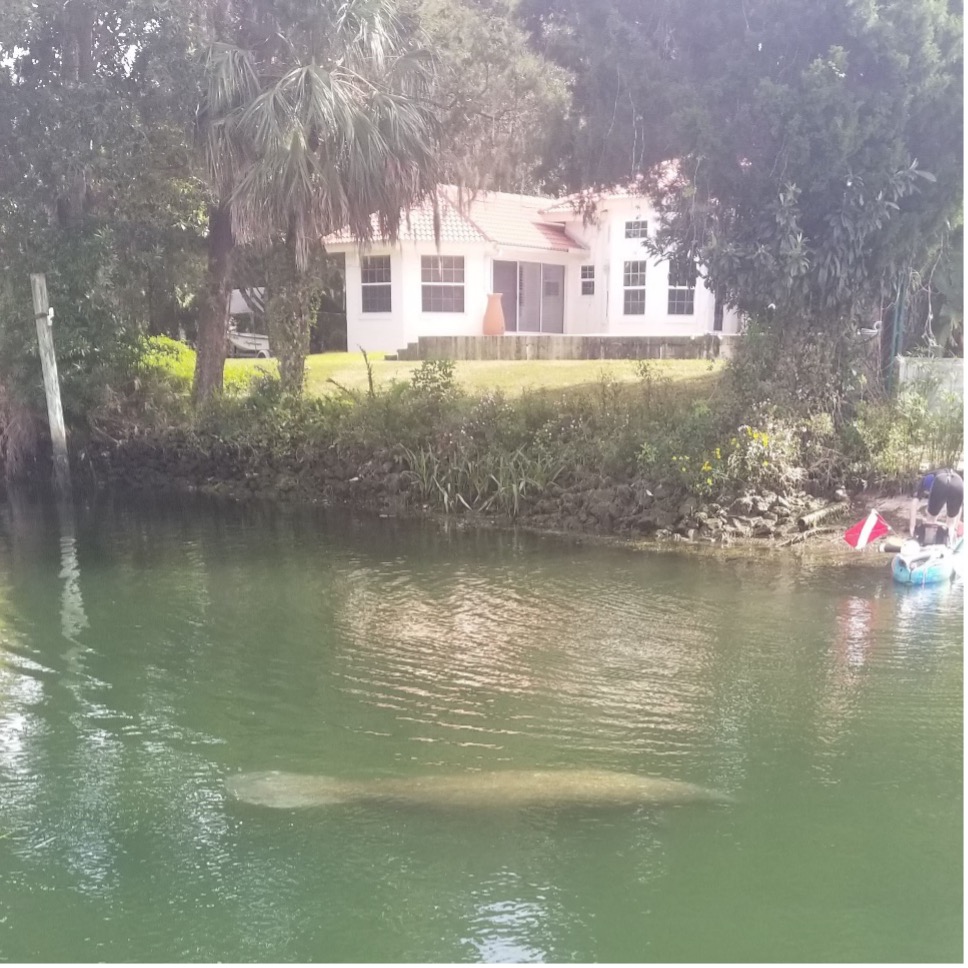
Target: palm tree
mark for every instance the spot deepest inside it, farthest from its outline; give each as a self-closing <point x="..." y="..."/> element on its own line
<point x="231" y="82"/>
<point x="317" y="118"/>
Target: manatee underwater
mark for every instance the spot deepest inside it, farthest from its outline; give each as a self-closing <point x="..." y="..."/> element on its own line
<point x="490" y="790"/>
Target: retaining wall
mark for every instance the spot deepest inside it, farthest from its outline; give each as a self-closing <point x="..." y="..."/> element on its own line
<point x="549" y="346"/>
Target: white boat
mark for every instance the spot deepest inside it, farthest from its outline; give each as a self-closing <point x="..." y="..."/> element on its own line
<point x="249" y="344"/>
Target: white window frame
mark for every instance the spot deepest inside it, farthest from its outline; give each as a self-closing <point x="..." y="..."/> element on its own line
<point x="588" y="280"/>
<point x="682" y="298"/>
<point x="633" y="282"/>
<point x="376" y="287"/>
<point x="441" y="275"/>
<point x="637" y="228"/>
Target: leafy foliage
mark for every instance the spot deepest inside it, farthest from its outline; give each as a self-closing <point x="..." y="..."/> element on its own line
<point x="499" y="102"/>
<point x="816" y="146"/>
<point x="892" y="440"/>
<point x="435" y="378"/>
<point x="95" y="188"/>
<point x="810" y="182"/>
<point x="627" y="89"/>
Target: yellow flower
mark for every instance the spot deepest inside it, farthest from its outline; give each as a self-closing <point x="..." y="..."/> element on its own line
<point x="709" y="480"/>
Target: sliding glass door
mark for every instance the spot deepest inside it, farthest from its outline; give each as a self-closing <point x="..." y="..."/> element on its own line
<point x="534" y="296"/>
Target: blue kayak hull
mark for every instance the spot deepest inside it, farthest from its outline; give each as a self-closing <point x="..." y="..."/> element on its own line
<point x="927" y="566"/>
<point x="923" y="573"/>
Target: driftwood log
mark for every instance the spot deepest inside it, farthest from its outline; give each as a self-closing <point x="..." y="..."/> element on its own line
<point x="808" y="520"/>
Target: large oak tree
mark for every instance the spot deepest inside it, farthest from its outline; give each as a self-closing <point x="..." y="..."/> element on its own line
<point x="817" y="146"/>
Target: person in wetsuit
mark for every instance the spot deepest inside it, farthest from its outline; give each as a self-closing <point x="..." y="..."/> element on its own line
<point x="944" y="489"/>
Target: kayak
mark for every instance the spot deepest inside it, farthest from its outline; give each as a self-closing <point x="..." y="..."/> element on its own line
<point x="914" y="565"/>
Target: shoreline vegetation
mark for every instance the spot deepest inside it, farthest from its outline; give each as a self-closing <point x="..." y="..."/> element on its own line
<point x="670" y="451"/>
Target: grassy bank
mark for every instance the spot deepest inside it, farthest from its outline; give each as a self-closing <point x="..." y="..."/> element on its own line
<point x="614" y="446"/>
<point x="512" y="378"/>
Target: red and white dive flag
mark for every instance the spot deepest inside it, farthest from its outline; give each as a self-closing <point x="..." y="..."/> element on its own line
<point x="864" y="532"/>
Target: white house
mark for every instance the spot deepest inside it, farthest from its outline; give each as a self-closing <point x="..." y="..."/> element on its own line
<point x="556" y="272"/>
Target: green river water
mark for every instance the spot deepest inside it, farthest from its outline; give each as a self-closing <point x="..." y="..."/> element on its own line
<point x="150" y="651"/>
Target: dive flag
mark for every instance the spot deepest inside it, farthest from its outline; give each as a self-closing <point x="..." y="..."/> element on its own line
<point x="870" y="529"/>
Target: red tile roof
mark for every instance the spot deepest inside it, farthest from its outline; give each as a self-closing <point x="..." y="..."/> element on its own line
<point x="498" y="218"/>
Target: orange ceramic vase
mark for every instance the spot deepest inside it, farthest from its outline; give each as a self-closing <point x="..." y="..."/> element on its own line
<point x="494" y="315"/>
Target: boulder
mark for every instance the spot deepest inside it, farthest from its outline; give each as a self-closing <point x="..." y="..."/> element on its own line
<point x="740" y="525"/>
<point x="644" y="498"/>
<point x="688" y="507"/>
<point x="625" y="495"/>
<point x="742" y="505"/>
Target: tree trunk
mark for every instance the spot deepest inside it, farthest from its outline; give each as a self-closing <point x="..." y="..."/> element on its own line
<point x="213" y="316"/>
<point x="77" y="70"/>
<point x="294" y="292"/>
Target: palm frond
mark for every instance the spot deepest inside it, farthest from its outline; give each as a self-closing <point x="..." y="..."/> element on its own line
<point x="322" y="127"/>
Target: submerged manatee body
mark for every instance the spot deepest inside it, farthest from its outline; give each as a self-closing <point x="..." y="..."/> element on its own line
<point x="506" y="788"/>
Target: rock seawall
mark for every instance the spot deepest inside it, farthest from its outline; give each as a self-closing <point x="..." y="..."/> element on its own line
<point x="378" y="480"/>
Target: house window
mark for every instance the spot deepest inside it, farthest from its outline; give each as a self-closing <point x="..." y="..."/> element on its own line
<point x="718" y="316"/>
<point x="375" y="279"/>
<point x="634" y="283"/>
<point x="442" y="278"/>
<point x="639" y="229"/>
<point x="588" y="280"/>
<point x="682" y="287"/>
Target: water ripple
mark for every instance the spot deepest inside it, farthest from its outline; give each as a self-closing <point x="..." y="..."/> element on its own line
<point x="825" y="700"/>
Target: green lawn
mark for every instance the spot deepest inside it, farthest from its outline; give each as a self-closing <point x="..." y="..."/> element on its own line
<point x="512" y="377"/>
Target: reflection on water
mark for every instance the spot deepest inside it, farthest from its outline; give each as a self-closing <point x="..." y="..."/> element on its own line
<point x="148" y="653"/>
<point x="508" y="929"/>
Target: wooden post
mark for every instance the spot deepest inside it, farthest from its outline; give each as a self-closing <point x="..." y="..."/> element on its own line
<point x="43" y="316"/>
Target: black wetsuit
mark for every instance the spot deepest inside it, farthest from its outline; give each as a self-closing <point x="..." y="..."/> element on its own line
<point x="944" y="489"/>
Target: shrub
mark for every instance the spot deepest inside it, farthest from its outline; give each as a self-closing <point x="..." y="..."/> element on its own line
<point x="435" y="378"/>
<point x="890" y="441"/>
<point x="793" y="368"/>
<point x="176" y="360"/>
<point x="162" y="354"/>
<point x="761" y="459"/>
<point x="700" y="462"/>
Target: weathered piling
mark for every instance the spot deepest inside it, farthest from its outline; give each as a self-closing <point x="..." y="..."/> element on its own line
<point x="43" y="316"/>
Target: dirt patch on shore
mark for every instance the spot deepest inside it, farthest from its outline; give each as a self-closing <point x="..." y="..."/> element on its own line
<point x="894" y="508"/>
